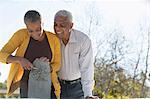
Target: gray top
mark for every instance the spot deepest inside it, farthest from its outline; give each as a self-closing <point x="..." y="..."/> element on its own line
<point x="39" y="80"/>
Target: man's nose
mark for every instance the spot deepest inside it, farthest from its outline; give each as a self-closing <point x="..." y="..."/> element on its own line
<point x="58" y="29"/>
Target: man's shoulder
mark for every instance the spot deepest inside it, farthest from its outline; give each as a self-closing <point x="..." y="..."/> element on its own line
<point x="80" y="35"/>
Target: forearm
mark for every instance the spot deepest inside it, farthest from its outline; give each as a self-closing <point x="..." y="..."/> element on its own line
<point x="87" y="68"/>
<point x="87" y="87"/>
<point x="87" y="80"/>
<point x="13" y="59"/>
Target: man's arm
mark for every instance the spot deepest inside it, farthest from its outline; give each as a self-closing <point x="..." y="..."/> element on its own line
<point x="87" y="68"/>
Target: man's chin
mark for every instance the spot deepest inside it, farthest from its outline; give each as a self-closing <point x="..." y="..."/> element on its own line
<point x="59" y="36"/>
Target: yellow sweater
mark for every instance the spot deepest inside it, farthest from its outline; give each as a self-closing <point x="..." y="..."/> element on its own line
<point x="19" y="42"/>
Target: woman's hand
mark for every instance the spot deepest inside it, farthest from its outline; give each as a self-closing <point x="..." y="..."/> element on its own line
<point x="25" y="63"/>
<point x="44" y="59"/>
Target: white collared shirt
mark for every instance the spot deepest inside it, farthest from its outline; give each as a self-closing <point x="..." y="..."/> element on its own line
<point x="77" y="61"/>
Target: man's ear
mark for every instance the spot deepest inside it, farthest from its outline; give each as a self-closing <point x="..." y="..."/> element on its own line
<point x="71" y="25"/>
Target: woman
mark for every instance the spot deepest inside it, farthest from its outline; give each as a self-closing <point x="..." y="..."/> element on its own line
<point x="30" y="43"/>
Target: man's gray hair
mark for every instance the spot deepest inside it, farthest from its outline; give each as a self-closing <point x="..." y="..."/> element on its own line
<point x="64" y="13"/>
<point x="32" y="16"/>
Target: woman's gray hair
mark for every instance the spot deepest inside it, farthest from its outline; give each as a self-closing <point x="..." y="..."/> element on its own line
<point x="32" y="16"/>
<point x="64" y="13"/>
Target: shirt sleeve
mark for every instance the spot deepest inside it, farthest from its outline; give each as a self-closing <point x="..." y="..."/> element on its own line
<point x="87" y="67"/>
<point x="56" y="64"/>
<point x="10" y="46"/>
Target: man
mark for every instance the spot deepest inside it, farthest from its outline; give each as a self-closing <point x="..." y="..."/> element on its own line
<point x="77" y="71"/>
<point x="31" y="43"/>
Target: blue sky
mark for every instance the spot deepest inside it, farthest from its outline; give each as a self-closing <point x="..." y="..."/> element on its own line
<point x="127" y="13"/>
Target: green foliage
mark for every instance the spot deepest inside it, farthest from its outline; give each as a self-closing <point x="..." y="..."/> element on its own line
<point x="2" y="85"/>
<point x="113" y="83"/>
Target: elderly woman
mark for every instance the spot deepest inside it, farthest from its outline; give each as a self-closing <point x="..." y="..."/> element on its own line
<point x="31" y="43"/>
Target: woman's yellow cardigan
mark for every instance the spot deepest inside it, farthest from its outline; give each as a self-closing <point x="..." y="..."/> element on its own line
<point x="19" y="42"/>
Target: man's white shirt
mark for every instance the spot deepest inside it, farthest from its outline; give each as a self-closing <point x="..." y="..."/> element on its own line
<point x="77" y="61"/>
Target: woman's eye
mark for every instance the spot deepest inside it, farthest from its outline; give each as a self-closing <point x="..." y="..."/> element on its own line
<point x="38" y="30"/>
<point x="30" y="31"/>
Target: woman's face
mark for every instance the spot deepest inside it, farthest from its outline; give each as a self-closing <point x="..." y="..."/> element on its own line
<point x="35" y="29"/>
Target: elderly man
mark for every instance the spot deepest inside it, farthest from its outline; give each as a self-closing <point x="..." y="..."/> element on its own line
<point x="77" y="71"/>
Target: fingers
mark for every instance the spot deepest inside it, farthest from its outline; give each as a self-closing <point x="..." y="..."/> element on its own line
<point x="28" y="66"/>
<point x="25" y="68"/>
<point x="92" y="97"/>
<point x="35" y="68"/>
<point x="25" y="63"/>
<point x="44" y="59"/>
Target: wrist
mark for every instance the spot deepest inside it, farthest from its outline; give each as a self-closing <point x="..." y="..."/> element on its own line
<point x="91" y="97"/>
<point x="18" y="59"/>
<point x="88" y="97"/>
<point x="14" y="59"/>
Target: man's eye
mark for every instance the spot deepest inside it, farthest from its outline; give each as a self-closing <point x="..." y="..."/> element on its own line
<point x="60" y="25"/>
<point x="63" y="26"/>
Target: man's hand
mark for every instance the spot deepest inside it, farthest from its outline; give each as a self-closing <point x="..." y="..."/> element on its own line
<point x="91" y="97"/>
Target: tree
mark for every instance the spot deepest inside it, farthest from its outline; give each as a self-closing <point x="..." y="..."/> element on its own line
<point x="146" y="67"/>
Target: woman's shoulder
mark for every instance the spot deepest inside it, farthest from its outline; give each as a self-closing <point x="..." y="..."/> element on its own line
<point x="51" y="34"/>
<point x="22" y="32"/>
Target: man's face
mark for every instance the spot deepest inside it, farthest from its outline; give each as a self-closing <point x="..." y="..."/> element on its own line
<point x="62" y="26"/>
<point x="35" y="29"/>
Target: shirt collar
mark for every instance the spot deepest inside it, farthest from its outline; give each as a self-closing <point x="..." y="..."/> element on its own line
<point x="72" y="37"/>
